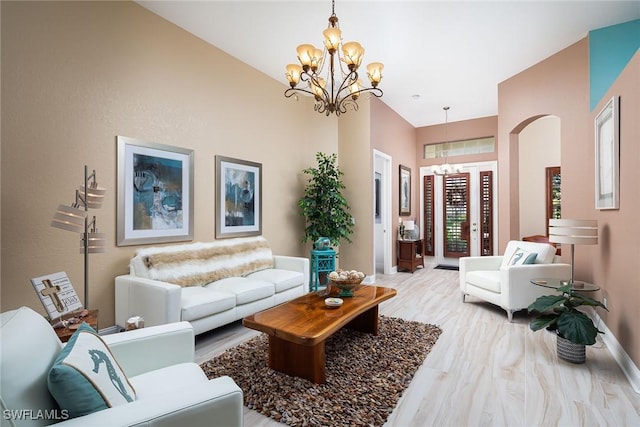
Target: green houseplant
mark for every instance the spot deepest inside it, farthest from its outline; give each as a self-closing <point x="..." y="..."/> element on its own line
<point x="560" y="314"/>
<point x="324" y="207"/>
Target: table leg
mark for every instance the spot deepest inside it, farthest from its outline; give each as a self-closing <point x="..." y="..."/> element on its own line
<point x="304" y="361"/>
<point x="366" y="322"/>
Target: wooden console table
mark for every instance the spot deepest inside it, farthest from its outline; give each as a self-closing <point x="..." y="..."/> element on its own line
<point x="410" y="254"/>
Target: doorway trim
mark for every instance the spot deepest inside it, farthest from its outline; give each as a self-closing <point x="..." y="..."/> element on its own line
<point x="385" y="204"/>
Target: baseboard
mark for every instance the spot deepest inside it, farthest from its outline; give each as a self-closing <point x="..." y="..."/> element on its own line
<point x="629" y="368"/>
<point x="110" y="330"/>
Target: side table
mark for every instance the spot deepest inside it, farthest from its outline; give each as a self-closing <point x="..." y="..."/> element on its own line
<point x="65" y="333"/>
<point x="410" y="254"/>
<point x="557" y="283"/>
<point x="323" y="262"/>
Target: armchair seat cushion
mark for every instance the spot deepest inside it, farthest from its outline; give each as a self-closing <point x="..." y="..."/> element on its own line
<point x="485" y="279"/>
<point x="245" y="290"/>
<point x="282" y="279"/>
<point x="167" y="380"/>
<point x="199" y="302"/>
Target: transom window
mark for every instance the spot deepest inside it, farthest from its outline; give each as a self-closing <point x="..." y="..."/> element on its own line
<point x="459" y="148"/>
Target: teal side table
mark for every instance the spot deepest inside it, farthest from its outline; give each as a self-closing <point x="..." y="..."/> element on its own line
<point x="322" y="261"/>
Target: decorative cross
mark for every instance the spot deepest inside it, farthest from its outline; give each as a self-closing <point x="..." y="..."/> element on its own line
<point x="52" y="292"/>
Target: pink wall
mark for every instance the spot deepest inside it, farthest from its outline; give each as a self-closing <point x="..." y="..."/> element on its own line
<point x="395" y="137"/>
<point x="464" y="129"/>
<point x="559" y="85"/>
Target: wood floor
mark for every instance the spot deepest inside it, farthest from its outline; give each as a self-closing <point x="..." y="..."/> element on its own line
<point x="483" y="371"/>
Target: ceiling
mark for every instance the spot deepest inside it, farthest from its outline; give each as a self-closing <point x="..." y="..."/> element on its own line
<point x="436" y="53"/>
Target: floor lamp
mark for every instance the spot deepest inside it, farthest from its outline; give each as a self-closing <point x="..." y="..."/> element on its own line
<point x="76" y="218"/>
<point x="573" y="232"/>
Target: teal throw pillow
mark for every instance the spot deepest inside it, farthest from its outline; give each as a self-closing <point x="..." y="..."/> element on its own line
<point x="85" y="377"/>
<point x="520" y="257"/>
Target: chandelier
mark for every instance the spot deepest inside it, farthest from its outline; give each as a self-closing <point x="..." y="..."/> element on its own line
<point x="446" y="168"/>
<point x="332" y="93"/>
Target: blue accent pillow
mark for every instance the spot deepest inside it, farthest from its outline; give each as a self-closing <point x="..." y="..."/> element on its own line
<point x="86" y="378"/>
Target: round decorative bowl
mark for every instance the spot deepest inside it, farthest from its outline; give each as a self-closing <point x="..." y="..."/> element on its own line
<point x="346" y="286"/>
<point x="333" y="302"/>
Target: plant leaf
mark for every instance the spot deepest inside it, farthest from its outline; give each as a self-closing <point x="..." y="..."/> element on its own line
<point x="577" y="327"/>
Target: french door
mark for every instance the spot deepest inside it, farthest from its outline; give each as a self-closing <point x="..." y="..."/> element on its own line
<point x="459" y="212"/>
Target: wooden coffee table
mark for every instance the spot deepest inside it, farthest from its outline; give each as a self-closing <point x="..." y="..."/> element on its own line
<point x="298" y="329"/>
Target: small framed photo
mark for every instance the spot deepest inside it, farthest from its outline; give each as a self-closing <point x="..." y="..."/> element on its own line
<point x="405" y="190"/>
<point x="238" y="198"/>
<point x="607" y="146"/>
<point x="155" y="193"/>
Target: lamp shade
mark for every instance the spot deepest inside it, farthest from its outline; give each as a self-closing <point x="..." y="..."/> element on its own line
<point x="573" y="231"/>
<point x="94" y="196"/>
<point x="69" y="218"/>
<point x="97" y="243"/>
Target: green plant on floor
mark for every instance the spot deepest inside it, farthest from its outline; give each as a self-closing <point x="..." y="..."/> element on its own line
<point x="560" y="313"/>
<point x="324" y="207"/>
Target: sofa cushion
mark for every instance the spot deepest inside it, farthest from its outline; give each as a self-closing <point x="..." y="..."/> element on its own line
<point x="199" y="302"/>
<point x="485" y="279"/>
<point x="246" y="290"/>
<point x="282" y="279"/>
<point x="196" y="264"/>
<point x="86" y="378"/>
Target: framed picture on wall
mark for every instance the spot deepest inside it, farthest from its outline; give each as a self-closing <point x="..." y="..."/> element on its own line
<point x="607" y="139"/>
<point x="155" y="193"/>
<point x="238" y="198"/>
<point x="405" y="190"/>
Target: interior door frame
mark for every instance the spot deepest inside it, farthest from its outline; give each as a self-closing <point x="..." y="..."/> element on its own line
<point x="474" y="170"/>
<point x="385" y="210"/>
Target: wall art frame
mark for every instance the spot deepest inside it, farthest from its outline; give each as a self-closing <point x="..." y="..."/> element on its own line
<point x="405" y="191"/>
<point x="155" y="193"/>
<point x="607" y="155"/>
<point x="238" y="198"/>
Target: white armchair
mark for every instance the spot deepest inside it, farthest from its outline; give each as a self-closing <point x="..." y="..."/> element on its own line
<point x="506" y="280"/>
<point x="171" y="389"/>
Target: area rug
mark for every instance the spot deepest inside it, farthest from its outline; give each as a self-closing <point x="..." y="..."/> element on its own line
<point x="447" y="267"/>
<point x="366" y="376"/>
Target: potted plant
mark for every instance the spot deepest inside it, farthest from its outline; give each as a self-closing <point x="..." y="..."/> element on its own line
<point x="324" y="207"/>
<point x="574" y="329"/>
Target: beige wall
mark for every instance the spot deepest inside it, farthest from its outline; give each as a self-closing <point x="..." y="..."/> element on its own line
<point x="539" y="145"/>
<point x="77" y="74"/>
<point x="560" y="86"/>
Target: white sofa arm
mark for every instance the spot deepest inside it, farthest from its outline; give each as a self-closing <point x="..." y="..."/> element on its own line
<point x="215" y="402"/>
<point x="292" y="263"/>
<point x="151" y="348"/>
<point x="519" y="291"/>
<point x="475" y="263"/>
<point x="157" y="302"/>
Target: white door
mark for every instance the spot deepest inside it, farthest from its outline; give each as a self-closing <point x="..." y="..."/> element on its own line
<point x="382" y="212"/>
<point x="462" y="211"/>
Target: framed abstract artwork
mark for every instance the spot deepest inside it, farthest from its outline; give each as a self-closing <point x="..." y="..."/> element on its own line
<point x="238" y="198"/>
<point x="405" y="190"/>
<point x="155" y="193"/>
<point x="607" y="140"/>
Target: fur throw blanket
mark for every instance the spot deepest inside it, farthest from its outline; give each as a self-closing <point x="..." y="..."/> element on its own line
<point x="197" y="264"/>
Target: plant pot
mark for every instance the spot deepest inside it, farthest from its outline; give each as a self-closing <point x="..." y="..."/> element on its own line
<point x="570" y="351"/>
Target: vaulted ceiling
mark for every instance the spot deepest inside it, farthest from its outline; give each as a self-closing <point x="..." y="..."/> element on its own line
<point x="436" y="53"/>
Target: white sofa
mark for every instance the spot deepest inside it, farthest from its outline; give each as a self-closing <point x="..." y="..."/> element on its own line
<point x="494" y="279"/>
<point x="171" y="390"/>
<point x="208" y="284"/>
